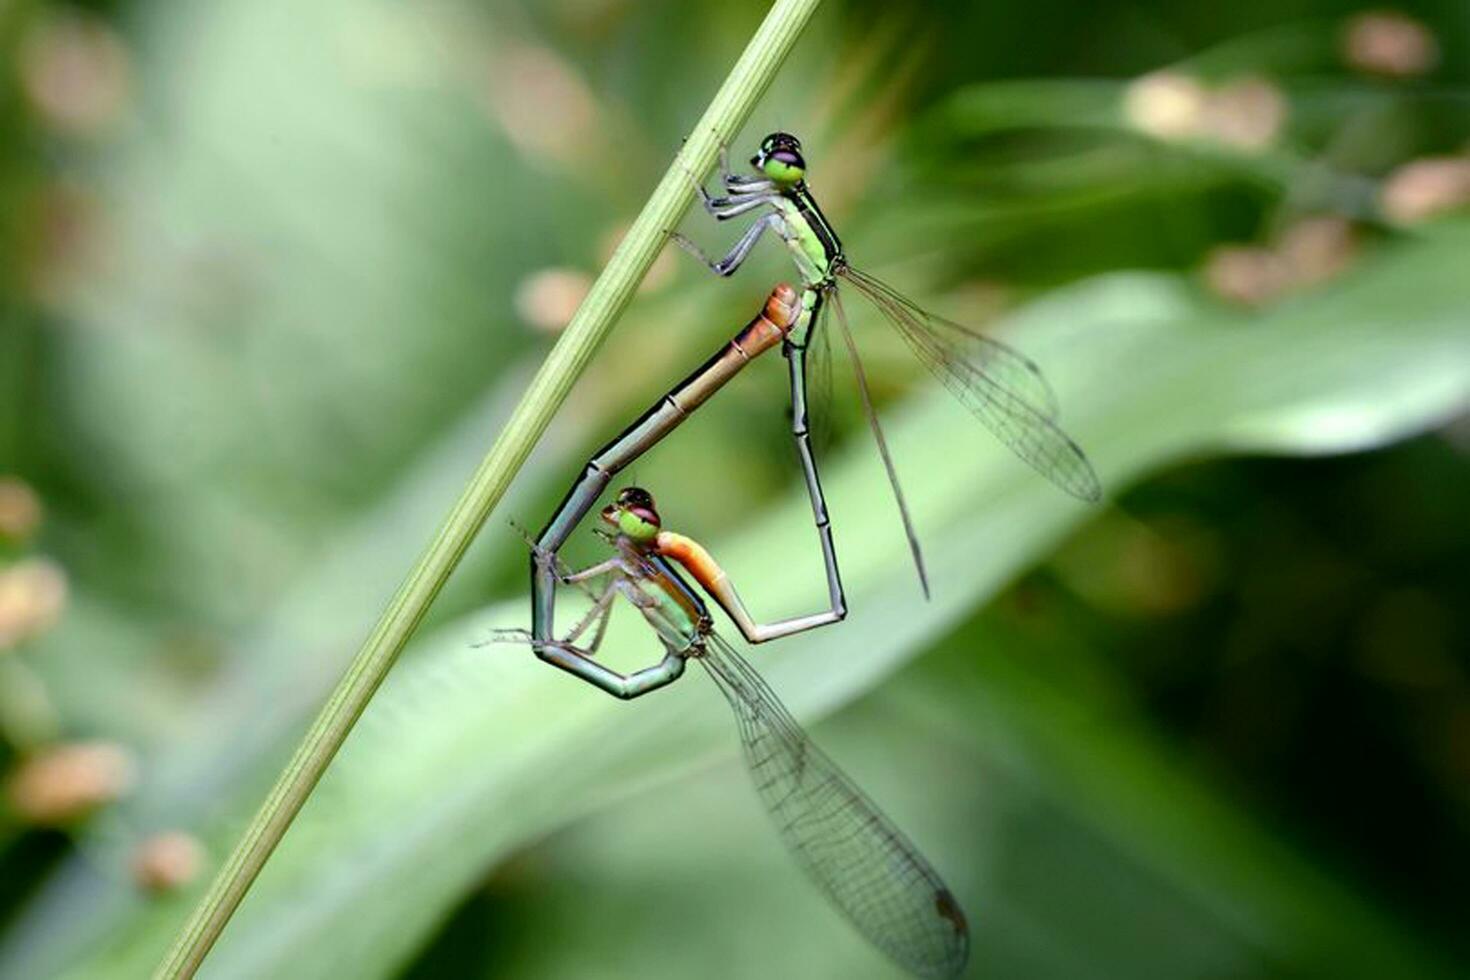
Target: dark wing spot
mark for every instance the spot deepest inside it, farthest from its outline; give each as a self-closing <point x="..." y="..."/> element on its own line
<point x="949" y="910"/>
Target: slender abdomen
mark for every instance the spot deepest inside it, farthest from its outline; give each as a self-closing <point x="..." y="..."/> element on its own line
<point x="766" y="330"/>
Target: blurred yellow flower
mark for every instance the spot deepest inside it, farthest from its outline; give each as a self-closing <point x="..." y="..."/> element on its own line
<point x="20" y="509"/>
<point x="32" y="597"/>
<point x="1246" y="113"/>
<point x="1245" y="274"/>
<point x="76" y="72"/>
<point x="66" y="782"/>
<point x="1387" y="42"/>
<point x="547" y="299"/>
<point x="1316" y="249"/>
<point x="167" y="861"/>
<point x="1165" y="104"/>
<point x="1422" y="189"/>
<point x="1309" y="252"/>
<point x="545" y="108"/>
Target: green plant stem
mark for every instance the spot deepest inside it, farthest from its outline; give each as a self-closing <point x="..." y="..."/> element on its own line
<point x="590" y="325"/>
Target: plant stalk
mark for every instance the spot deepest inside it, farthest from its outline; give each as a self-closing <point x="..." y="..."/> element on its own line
<point x="589" y="327"/>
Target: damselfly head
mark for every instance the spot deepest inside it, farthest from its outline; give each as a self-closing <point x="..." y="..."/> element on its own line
<point x="633" y="514"/>
<point x="780" y="159"/>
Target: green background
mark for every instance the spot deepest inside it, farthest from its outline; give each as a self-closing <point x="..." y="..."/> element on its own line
<point x="259" y="275"/>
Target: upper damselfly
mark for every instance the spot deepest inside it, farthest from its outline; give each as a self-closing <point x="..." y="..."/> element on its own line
<point x="1001" y="386"/>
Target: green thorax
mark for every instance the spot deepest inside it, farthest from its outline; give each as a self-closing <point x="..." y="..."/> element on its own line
<point x="801" y="331"/>
<point x="674" y="610"/>
<point x="812" y="240"/>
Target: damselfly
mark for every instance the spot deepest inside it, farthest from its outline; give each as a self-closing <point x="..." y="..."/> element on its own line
<point x="1002" y="387"/>
<point x="856" y="855"/>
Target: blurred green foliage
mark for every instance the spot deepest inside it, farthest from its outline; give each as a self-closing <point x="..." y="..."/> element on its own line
<point x="272" y="275"/>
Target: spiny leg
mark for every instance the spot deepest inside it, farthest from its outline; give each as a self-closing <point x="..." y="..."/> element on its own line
<point x="576" y="660"/>
<point x="725" y="208"/>
<point x="601" y="632"/>
<point x="600" y="613"/>
<point x="733" y="259"/>
<point x="738" y="201"/>
<point x="592" y="571"/>
<point x="506" y="635"/>
<point x="551" y="561"/>
<point x="547" y="572"/>
<point x="566" y="577"/>
<point x="740" y="183"/>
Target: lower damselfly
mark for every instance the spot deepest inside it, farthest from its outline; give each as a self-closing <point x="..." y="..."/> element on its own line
<point x="1001" y="386"/>
<point x="855" y="854"/>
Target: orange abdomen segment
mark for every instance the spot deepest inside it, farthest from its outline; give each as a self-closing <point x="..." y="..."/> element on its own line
<point x="768" y="329"/>
<point x="782" y="308"/>
<point x="698" y="562"/>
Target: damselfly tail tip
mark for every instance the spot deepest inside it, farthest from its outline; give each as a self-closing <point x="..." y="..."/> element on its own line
<point x="1091" y="489"/>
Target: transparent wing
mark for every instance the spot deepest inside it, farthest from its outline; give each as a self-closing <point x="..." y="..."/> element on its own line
<point x="1005" y="365"/>
<point x="855" y="854"/>
<point x="860" y="375"/>
<point x="1001" y="386"/>
<point x="819" y="385"/>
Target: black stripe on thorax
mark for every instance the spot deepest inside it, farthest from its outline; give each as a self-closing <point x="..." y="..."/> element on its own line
<point x="672" y="582"/>
<point x="802" y="198"/>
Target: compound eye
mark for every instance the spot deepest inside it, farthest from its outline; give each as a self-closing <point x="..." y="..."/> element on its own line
<point x="789" y="158"/>
<point x="635" y="497"/>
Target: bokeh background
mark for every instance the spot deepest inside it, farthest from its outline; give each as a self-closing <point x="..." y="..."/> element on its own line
<point x="273" y="274"/>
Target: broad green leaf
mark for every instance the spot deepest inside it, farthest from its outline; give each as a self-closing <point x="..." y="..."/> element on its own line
<point x="470" y="753"/>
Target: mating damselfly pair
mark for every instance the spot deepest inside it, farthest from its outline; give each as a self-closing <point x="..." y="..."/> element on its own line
<point x="856" y="855"/>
